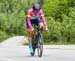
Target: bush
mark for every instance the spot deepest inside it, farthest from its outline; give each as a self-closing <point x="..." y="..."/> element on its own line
<point x="3" y="36"/>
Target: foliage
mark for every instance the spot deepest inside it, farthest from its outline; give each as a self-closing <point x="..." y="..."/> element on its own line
<point x="60" y="17"/>
<point x="61" y="22"/>
<point x="3" y="36"/>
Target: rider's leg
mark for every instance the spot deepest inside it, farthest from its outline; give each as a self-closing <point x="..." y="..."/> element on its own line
<point x="41" y="24"/>
<point x="41" y="27"/>
<point x="30" y="38"/>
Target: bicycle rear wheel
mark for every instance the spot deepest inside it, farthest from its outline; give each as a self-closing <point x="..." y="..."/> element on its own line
<point x="34" y="48"/>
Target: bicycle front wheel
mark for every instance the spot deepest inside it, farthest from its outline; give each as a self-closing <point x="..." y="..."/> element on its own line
<point x="40" y="45"/>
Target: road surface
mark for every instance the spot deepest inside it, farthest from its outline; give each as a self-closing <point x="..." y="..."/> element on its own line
<point x="13" y="50"/>
<point x="50" y="53"/>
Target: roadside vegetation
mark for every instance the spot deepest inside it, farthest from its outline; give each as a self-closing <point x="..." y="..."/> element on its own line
<point x="60" y="16"/>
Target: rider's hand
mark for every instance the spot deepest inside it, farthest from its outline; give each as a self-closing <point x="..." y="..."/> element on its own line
<point x="46" y="29"/>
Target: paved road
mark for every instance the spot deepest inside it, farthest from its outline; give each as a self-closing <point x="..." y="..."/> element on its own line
<point x="51" y="53"/>
<point x="12" y="49"/>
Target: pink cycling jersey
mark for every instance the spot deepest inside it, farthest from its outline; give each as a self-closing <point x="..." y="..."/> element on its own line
<point x="32" y="13"/>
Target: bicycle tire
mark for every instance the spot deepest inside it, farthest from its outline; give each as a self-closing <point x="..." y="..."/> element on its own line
<point x="40" y="45"/>
<point x="33" y="45"/>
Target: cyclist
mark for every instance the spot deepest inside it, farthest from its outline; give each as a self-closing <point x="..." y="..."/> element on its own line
<point x="33" y="15"/>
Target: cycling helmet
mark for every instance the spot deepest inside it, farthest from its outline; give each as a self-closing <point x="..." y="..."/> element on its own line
<point x="36" y="7"/>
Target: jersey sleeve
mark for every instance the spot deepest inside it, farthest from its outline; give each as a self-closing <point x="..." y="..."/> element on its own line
<point x="43" y="18"/>
<point x="28" y="19"/>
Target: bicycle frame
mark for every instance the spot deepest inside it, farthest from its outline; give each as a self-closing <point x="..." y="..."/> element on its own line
<point x="37" y="41"/>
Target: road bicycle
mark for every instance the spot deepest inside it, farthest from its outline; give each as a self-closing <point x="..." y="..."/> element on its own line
<point x="37" y="42"/>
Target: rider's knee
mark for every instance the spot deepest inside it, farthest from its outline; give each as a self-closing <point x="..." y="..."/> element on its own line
<point x="30" y="33"/>
<point x="41" y="24"/>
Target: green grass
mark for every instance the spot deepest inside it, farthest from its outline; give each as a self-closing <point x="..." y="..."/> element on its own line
<point x="59" y="43"/>
<point x="55" y="43"/>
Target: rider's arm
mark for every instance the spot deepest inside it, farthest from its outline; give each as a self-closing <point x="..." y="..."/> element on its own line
<point x="28" y="19"/>
<point x="43" y="19"/>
